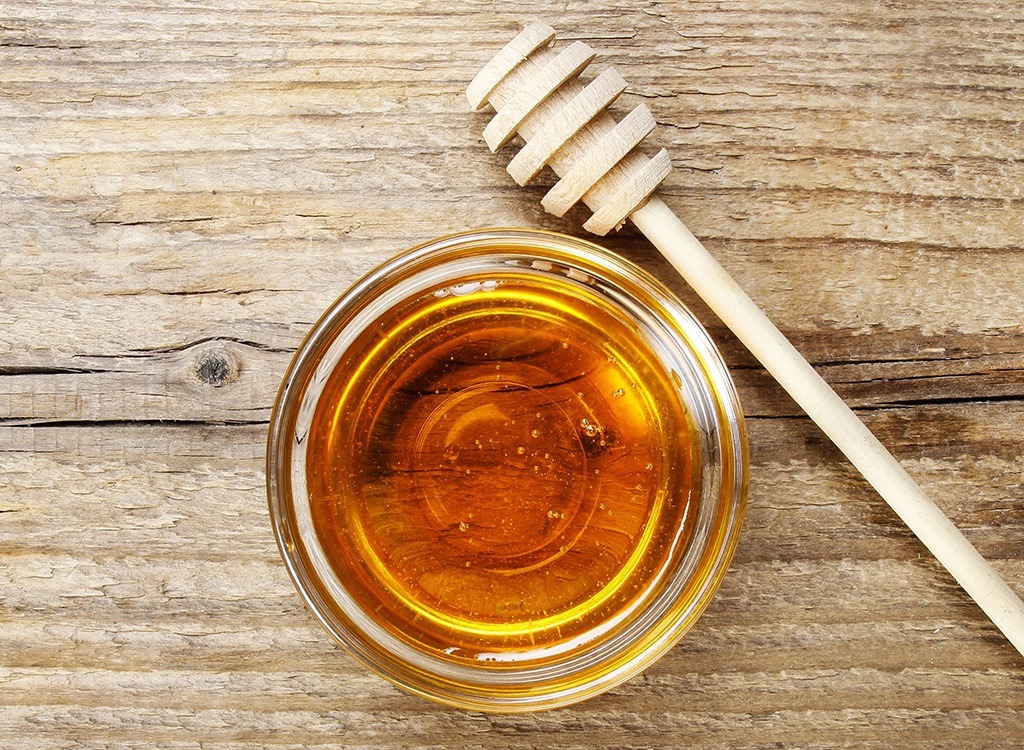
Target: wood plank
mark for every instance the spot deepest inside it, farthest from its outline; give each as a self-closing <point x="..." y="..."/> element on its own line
<point x="185" y="187"/>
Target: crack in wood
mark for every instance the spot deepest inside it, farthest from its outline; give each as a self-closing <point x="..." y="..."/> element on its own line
<point x="128" y="422"/>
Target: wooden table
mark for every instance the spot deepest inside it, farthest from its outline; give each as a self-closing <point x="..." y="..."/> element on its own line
<point x="185" y="186"/>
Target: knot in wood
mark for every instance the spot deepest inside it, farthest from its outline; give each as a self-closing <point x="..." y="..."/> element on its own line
<point x="216" y="367"/>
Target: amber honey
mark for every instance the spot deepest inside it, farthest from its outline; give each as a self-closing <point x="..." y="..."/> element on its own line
<point x="507" y="470"/>
<point x="507" y="466"/>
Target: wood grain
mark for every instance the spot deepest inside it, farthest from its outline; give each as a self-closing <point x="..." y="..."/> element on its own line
<point x="185" y="186"/>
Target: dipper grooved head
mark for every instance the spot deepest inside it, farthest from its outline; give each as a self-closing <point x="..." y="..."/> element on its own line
<point x="536" y="93"/>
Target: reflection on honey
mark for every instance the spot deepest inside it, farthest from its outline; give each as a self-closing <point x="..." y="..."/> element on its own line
<point x="502" y="468"/>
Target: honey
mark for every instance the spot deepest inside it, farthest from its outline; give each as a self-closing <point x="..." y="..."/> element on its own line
<point x="507" y="470"/>
<point x="507" y="466"/>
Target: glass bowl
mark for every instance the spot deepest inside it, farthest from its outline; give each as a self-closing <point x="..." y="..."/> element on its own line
<point x="507" y="470"/>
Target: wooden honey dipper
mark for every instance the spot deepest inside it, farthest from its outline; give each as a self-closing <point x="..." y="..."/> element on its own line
<point x="536" y="93"/>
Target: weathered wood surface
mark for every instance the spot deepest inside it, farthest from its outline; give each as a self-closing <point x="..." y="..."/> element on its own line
<point x="185" y="186"/>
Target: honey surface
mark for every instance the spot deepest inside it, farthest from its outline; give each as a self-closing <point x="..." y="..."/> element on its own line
<point x="503" y="468"/>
